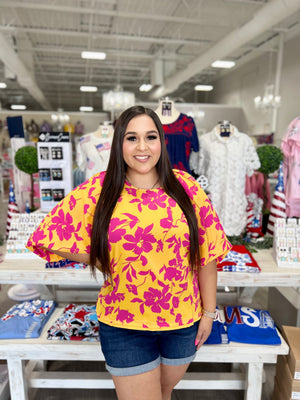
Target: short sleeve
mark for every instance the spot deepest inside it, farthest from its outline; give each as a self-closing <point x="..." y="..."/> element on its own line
<point x="213" y="242"/>
<point x="68" y="226"/>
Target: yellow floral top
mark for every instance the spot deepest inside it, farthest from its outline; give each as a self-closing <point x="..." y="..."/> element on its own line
<point x="152" y="286"/>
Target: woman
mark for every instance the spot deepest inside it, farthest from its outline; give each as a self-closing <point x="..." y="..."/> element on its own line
<point x="156" y="238"/>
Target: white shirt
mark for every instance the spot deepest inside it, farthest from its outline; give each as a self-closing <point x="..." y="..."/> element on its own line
<point x="225" y="161"/>
<point x="92" y="154"/>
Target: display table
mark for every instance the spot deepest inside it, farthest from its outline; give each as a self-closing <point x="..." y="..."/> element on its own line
<point x="34" y="272"/>
<point x="34" y="374"/>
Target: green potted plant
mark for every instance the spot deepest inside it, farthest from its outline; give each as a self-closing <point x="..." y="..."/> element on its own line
<point x="26" y="159"/>
<point x="270" y="157"/>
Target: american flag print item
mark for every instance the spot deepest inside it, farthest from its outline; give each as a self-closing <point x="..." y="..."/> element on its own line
<point x="278" y="207"/>
<point x="12" y="207"/>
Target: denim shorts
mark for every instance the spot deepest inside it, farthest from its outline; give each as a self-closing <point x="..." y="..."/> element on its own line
<point x="131" y="352"/>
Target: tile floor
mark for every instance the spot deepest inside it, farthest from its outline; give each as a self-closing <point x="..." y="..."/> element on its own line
<point x="63" y="394"/>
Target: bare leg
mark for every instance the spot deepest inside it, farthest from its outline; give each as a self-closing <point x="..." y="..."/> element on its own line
<point x="170" y="376"/>
<point x="145" y="386"/>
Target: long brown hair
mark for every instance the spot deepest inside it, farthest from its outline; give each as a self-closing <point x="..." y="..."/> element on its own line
<point x="113" y="185"/>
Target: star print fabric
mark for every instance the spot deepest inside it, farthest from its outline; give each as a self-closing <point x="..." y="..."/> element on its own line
<point x="152" y="285"/>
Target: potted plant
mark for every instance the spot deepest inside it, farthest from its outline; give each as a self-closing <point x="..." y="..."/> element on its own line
<point x="26" y="159"/>
<point x="270" y="157"/>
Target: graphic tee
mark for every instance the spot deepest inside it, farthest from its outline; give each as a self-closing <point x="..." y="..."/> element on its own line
<point x="247" y="325"/>
<point x="26" y="319"/>
<point x="152" y="285"/>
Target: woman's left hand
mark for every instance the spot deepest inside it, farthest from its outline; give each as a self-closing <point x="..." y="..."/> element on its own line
<point x="205" y="326"/>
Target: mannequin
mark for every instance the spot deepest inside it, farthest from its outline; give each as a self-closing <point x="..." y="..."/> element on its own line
<point x="226" y="156"/>
<point x="105" y="129"/>
<point x="180" y="134"/>
<point x="93" y="149"/>
<point x="167" y="112"/>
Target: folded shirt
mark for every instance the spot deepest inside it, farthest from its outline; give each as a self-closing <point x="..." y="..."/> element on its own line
<point x="239" y="259"/>
<point x="66" y="264"/>
<point x="248" y="325"/>
<point x="77" y="322"/>
<point x="26" y="320"/>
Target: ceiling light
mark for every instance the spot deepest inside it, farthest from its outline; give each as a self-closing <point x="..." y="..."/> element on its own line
<point x="204" y="88"/>
<point x="145" y="87"/>
<point x="86" y="108"/>
<point x="93" y="55"/>
<point x="88" y="88"/>
<point x="18" y="107"/>
<point x="117" y="100"/>
<point x="3" y="85"/>
<point x="223" y="64"/>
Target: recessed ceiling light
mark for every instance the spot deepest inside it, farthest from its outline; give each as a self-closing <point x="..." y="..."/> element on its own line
<point x="145" y="87"/>
<point x="93" y="55"/>
<point x="223" y="64"/>
<point x="3" y="85"/>
<point x="88" y="88"/>
<point x="86" y="108"/>
<point x="18" y="107"/>
<point x="204" y="88"/>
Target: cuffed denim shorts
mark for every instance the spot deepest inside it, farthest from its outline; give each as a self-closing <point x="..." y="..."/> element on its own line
<point x="131" y="352"/>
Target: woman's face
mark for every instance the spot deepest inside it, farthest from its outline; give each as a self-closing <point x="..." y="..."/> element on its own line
<point x="141" y="146"/>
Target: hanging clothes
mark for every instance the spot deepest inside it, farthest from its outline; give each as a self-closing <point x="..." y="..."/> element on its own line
<point x="181" y="138"/>
<point x="92" y="153"/>
<point x="290" y="147"/>
<point x="225" y="161"/>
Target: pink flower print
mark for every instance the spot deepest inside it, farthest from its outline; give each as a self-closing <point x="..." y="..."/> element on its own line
<point x="167" y="222"/>
<point x="109" y="310"/>
<point x="37" y="236"/>
<point x="157" y="299"/>
<point x="160" y="246"/>
<point x="161" y="322"/>
<point x="63" y="225"/>
<point x="72" y="202"/>
<point x="218" y="226"/>
<point x="172" y="202"/>
<point x="124" y="316"/>
<point x="133" y="220"/>
<point x="175" y="301"/>
<point x="206" y="217"/>
<point x="154" y="200"/>
<point x="171" y="273"/>
<point x="186" y="242"/>
<point x="114" y="232"/>
<point x="132" y="289"/>
<point x="141" y="241"/>
<point x="201" y="236"/>
<point x="178" y="319"/>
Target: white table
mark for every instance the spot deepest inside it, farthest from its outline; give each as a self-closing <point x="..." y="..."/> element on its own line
<point x="33" y="271"/>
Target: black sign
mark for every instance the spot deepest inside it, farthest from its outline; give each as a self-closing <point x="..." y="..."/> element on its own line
<point x="57" y="137"/>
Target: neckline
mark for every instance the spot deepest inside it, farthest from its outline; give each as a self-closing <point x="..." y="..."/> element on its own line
<point x="170" y="123"/>
<point x="141" y="189"/>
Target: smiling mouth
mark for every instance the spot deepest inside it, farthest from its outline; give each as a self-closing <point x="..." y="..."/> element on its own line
<point x="142" y="158"/>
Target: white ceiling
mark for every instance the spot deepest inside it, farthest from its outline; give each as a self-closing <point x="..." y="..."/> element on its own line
<point x="41" y="42"/>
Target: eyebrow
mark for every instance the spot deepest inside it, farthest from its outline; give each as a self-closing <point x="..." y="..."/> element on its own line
<point x="134" y="133"/>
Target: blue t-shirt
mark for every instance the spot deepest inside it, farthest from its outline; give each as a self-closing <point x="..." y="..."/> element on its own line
<point x="26" y="320"/>
<point x="247" y="325"/>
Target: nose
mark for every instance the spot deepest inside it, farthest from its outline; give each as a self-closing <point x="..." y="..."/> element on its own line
<point x="142" y="144"/>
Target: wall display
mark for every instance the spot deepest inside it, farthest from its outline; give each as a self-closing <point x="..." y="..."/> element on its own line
<point x="225" y="161"/>
<point x="55" y="167"/>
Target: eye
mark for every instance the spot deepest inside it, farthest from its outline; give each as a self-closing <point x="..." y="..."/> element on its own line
<point x="131" y="138"/>
<point x="152" y="137"/>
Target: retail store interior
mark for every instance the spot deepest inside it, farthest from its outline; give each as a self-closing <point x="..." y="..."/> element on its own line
<point x="223" y="77"/>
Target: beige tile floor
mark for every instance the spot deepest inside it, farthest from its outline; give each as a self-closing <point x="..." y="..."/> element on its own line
<point x="63" y="394"/>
